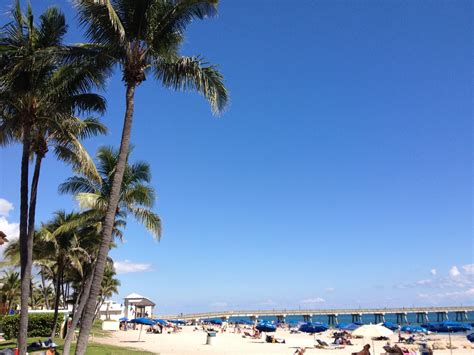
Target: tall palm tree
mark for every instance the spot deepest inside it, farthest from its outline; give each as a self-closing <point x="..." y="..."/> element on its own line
<point x="143" y="37"/>
<point x="36" y="96"/>
<point x="136" y="198"/>
<point x="10" y="290"/>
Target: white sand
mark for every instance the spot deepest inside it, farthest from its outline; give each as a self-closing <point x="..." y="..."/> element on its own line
<point x="193" y="342"/>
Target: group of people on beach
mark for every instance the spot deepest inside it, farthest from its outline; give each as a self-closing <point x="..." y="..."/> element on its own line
<point x="342" y="338"/>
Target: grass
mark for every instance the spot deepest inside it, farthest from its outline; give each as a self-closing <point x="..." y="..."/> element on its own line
<point x="92" y="348"/>
<point x="97" y="330"/>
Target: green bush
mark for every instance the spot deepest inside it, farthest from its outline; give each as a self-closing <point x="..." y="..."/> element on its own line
<point x="39" y="325"/>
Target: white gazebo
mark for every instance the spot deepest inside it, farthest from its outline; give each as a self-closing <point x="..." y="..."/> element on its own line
<point x="137" y="306"/>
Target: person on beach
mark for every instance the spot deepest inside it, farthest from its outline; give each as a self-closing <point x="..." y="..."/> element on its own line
<point x="364" y="351"/>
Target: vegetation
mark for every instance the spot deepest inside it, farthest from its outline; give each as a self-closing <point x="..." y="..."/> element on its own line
<point x="39" y="325"/>
<point x="92" y="349"/>
<point x="40" y="97"/>
<point x="143" y="37"/>
<point x="47" y="104"/>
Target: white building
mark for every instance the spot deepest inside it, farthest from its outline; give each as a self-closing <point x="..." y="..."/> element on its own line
<point x="111" y="310"/>
<point x="137" y="306"/>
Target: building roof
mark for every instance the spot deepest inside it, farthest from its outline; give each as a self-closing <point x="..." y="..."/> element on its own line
<point x="134" y="295"/>
<point x="144" y="303"/>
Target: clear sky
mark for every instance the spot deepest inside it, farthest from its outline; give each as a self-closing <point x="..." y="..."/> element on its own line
<point x="340" y="175"/>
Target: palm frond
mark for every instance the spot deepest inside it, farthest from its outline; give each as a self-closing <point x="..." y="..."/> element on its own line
<point x="103" y="24"/>
<point x="189" y="73"/>
<point x="150" y="220"/>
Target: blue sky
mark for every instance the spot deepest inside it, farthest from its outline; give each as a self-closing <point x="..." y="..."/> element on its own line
<point x="340" y="175"/>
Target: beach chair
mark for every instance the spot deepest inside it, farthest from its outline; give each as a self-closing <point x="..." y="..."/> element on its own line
<point x="323" y="345"/>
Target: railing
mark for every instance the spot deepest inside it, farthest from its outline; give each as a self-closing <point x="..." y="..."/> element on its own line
<point x="316" y="312"/>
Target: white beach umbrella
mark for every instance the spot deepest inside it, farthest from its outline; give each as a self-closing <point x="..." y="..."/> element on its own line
<point x="372" y="331"/>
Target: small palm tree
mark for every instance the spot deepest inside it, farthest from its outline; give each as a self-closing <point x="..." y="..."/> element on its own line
<point x="39" y="100"/>
<point x="65" y="250"/>
<point x="137" y="197"/>
<point x="143" y="38"/>
<point x="10" y="290"/>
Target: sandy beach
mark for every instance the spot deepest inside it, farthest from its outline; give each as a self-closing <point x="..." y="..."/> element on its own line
<point x="188" y="341"/>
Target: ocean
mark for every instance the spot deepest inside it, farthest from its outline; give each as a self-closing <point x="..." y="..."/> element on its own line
<point x="366" y="318"/>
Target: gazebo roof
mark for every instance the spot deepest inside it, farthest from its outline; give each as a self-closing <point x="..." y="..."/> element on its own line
<point x="144" y="303"/>
<point x="134" y="295"/>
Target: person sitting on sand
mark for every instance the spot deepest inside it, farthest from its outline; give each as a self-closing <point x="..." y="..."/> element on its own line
<point x="364" y="351"/>
<point x="400" y="338"/>
<point x="300" y="351"/>
<point x="272" y="339"/>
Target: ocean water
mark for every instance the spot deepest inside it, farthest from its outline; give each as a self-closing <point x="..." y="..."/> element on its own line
<point x="366" y="318"/>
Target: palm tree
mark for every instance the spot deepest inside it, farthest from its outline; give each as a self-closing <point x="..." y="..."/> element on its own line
<point x="10" y="290"/>
<point x="137" y="198"/>
<point x="37" y="96"/>
<point x="143" y="37"/>
<point x="65" y="250"/>
<point x="108" y="288"/>
<point x="58" y="252"/>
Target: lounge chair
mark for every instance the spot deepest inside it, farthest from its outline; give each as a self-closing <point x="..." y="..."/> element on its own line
<point x="323" y="345"/>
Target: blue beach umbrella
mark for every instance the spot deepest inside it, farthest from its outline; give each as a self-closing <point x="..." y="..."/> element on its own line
<point x="391" y="326"/>
<point x="142" y="322"/>
<point x="177" y="321"/>
<point x="213" y="321"/>
<point x="312" y="328"/>
<point x="348" y="326"/>
<point x="124" y="319"/>
<point x="161" y="321"/>
<point x="448" y="327"/>
<point x="413" y="329"/>
<point x="265" y="326"/>
<point x="245" y="322"/>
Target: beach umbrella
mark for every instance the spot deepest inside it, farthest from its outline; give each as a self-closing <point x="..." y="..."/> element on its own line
<point x="124" y="319"/>
<point x="391" y="326"/>
<point x="161" y="321"/>
<point x="142" y="322"/>
<point x="413" y="329"/>
<point x="348" y="326"/>
<point x="265" y="326"/>
<point x="244" y="322"/>
<point x="372" y="331"/>
<point x="448" y="326"/>
<point x="312" y="328"/>
<point x="213" y="321"/>
<point x="178" y="321"/>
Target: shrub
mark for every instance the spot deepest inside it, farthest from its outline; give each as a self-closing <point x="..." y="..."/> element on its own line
<point x="39" y="325"/>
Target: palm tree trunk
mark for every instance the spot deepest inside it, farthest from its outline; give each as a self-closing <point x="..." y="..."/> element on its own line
<point x="43" y="284"/>
<point x="97" y="308"/>
<point x="88" y="316"/>
<point x="56" y="300"/>
<point x="25" y="256"/>
<point x="32" y="211"/>
<point x="82" y="299"/>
